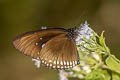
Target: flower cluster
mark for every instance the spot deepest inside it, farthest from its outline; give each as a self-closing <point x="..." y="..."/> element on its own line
<point x="86" y="42"/>
<point x="84" y="31"/>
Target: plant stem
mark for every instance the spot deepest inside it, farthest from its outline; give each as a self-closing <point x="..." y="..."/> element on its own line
<point x="106" y="67"/>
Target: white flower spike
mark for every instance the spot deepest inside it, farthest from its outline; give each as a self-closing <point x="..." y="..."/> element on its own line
<point x="37" y="62"/>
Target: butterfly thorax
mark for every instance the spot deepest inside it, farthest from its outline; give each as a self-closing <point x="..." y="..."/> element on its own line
<point x="72" y="34"/>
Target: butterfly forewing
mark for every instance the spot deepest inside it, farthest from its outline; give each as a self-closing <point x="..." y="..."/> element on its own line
<point x="31" y="43"/>
<point x="60" y="53"/>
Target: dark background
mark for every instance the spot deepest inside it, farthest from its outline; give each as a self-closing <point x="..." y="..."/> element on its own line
<point x="18" y="16"/>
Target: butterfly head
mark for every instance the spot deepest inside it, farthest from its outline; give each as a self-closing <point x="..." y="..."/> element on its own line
<point x="72" y="33"/>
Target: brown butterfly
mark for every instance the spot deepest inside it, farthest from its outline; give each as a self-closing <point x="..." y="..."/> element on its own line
<point x="55" y="47"/>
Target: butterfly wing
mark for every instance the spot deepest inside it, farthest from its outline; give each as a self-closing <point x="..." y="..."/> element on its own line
<point x="31" y="43"/>
<point x="60" y="53"/>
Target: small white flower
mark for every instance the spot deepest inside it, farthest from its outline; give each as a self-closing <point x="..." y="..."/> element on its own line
<point x="86" y="68"/>
<point x="85" y="45"/>
<point x="76" y="68"/>
<point x="82" y="63"/>
<point x="71" y="73"/>
<point x="37" y="62"/>
<point x="63" y="75"/>
<point x="95" y="55"/>
<point x="88" y="71"/>
<point x="87" y="36"/>
<point x="80" y="76"/>
<point x="44" y="27"/>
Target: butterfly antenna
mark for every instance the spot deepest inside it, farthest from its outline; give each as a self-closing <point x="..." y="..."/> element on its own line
<point x="79" y="18"/>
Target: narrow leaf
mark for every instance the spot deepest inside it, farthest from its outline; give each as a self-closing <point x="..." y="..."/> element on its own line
<point x="101" y="40"/>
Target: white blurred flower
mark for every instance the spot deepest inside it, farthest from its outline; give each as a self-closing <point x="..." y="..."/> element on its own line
<point x="76" y="68"/>
<point x="86" y="68"/>
<point x="81" y="76"/>
<point x="95" y="56"/>
<point x="44" y="27"/>
<point x="37" y="62"/>
<point x="63" y="75"/>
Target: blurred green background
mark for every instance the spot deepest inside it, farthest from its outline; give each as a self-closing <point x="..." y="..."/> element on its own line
<point x="18" y="16"/>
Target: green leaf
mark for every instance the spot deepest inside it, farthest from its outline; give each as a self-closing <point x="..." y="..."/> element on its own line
<point x="115" y="76"/>
<point x="115" y="58"/>
<point x="98" y="74"/>
<point x="102" y="43"/>
<point x="101" y="40"/>
<point x="113" y="64"/>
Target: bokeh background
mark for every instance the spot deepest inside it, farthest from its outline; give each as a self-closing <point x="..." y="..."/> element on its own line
<point x="18" y="16"/>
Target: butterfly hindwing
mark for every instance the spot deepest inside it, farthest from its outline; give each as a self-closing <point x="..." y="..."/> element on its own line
<point x="59" y="53"/>
<point x="31" y="43"/>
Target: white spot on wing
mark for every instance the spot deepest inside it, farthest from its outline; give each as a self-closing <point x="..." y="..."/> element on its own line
<point x="58" y="66"/>
<point x="68" y="66"/>
<point x="70" y="63"/>
<point x="57" y="62"/>
<point x="62" y="67"/>
<point x="75" y="62"/>
<point x="73" y="65"/>
<point x="65" y="63"/>
<point x="61" y="63"/>
<point x="50" y="60"/>
<point x="43" y="45"/>
<point x="40" y="38"/>
<point x="36" y="44"/>
<point x="37" y="57"/>
<point x="54" y="62"/>
<point x="42" y="61"/>
<point x="54" y="66"/>
<point x="50" y="65"/>
<point x="47" y="64"/>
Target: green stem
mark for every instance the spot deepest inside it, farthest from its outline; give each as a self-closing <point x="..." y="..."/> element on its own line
<point x="106" y="67"/>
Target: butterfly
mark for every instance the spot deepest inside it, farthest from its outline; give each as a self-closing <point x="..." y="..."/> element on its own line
<point x="54" y="47"/>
